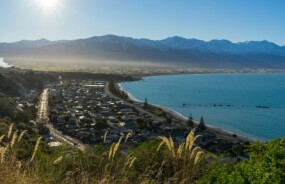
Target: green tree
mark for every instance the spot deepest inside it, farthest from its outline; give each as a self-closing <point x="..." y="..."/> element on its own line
<point x="237" y="149"/>
<point x="190" y="121"/>
<point x="202" y="125"/>
<point x="145" y="104"/>
<point x="266" y="164"/>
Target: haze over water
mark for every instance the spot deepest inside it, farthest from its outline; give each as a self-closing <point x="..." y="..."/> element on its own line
<point x="248" y="104"/>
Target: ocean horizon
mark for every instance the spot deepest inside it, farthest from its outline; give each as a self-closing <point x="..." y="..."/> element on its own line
<point x="250" y="105"/>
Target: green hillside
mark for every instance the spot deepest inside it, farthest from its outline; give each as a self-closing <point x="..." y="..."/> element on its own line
<point x="7" y="106"/>
<point x="13" y="82"/>
<point x="26" y="158"/>
<point x="8" y="86"/>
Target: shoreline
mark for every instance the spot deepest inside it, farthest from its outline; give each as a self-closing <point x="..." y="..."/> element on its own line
<point x="210" y="128"/>
<point x="174" y="114"/>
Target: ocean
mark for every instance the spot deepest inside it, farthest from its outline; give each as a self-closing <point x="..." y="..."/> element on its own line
<point x="251" y="105"/>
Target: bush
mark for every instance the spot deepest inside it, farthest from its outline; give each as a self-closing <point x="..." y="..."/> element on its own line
<point x="265" y="165"/>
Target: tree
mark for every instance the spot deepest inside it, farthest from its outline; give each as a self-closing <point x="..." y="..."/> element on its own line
<point x="43" y="130"/>
<point x="190" y="121"/>
<point x="265" y="165"/>
<point x="145" y="104"/>
<point x="237" y="149"/>
<point x="202" y="125"/>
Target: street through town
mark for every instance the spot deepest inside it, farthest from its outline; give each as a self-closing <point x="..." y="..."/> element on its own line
<point x="43" y="118"/>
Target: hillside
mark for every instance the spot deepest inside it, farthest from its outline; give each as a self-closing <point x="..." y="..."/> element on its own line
<point x="26" y="158"/>
<point x="111" y="50"/>
<point x="14" y="82"/>
<point x="7" y="86"/>
<point x="7" y="106"/>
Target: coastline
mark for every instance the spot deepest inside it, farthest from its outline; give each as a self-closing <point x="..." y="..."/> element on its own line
<point x="174" y="114"/>
<point x="210" y="128"/>
<point x="141" y="77"/>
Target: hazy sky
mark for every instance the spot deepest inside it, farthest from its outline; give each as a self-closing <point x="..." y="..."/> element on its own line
<point x="236" y="20"/>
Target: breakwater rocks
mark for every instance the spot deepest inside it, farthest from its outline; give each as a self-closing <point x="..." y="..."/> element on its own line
<point x="222" y="105"/>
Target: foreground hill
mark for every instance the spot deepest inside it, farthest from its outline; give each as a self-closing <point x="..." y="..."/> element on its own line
<point x="173" y="52"/>
<point x="26" y="158"/>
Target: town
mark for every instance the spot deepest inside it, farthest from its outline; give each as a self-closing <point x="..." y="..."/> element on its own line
<point x="84" y="111"/>
<point x="87" y="111"/>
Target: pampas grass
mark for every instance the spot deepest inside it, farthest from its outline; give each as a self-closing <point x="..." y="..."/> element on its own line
<point x="14" y="137"/>
<point x="194" y="152"/>
<point x="10" y="131"/>
<point x="36" y="149"/>
<point x="180" y="150"/>
<point x="58" y="160"/>
<point x="111" y="151"/>
<point x="2" y="137"/>
<point x="183" y="159"/>
<point x="169" y="143"/>
<point x="116" y="147"/>
<point x="11" y="168"/>
<point x="3" y="153"/>
<point x="198" y="157"/>
<point x="174" y="164"/>
<point x="191" y="138"/>
<point x="105" y="136"/>
<point x="127" y="137"/>
<point x="21" y="135"/>
<point x="132" y="162"/>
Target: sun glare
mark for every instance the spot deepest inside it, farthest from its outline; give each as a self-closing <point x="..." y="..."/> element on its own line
<point x="48" y="5"/>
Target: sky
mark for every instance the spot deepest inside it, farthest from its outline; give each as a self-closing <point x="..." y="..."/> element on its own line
<point x="235" y="20"/>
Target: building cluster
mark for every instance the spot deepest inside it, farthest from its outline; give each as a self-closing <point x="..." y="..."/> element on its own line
<point x="27" y="100"/>
<point x="82" y="109"/>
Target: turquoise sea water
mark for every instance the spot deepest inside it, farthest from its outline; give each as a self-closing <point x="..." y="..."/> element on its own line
<point x="247" y="104"/>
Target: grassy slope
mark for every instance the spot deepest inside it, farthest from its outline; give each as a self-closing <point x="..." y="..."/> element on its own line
<point x="25" y="162"/>
<point x="98" y="165"/>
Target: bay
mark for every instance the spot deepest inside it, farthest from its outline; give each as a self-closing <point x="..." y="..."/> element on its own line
<point x="251" y="105"/>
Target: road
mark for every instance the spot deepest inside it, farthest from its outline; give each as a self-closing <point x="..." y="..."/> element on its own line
<point x="43" y="118"/>
<point x="67" y="139"/>
<point x="43" y="107"/>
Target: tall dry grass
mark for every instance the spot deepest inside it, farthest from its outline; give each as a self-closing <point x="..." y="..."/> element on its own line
<point x="12" y="169"/>
<point x="178" y="163"/>
<point x="36" y="149"/>
<point x="10" y="130"/>
<point x="184" y="158"/>
<point x="21" y="135"/>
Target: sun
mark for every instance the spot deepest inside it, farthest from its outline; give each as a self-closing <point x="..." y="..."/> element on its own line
<point x="48" y="5"/>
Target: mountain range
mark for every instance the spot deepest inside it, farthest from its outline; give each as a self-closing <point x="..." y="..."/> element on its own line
<point x="173" y="51"/>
